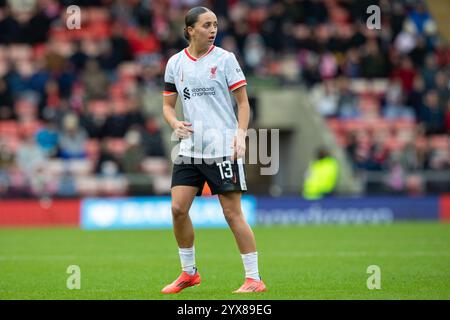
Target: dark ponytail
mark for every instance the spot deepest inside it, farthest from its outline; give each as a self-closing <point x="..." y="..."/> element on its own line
<point x="191" y="18"/>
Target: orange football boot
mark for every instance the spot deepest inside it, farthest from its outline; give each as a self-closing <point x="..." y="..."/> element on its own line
<point x="182" y="282"/>
<point x="251" y="285"/>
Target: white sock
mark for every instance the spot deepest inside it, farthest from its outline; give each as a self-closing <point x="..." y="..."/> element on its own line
<point x="250" y="261"/>
<point x="187" y="257"/>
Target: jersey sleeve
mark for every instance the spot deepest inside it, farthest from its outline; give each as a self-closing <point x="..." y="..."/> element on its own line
<point x="234" y="73"/>
<point x="169" y="80"/>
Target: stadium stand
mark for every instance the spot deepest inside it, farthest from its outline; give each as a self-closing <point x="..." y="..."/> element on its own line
<point x="80" y="109"/>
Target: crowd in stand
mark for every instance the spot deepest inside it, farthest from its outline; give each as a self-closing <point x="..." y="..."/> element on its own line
<point x="386" y="92"/>
<point x="93" y="93"/>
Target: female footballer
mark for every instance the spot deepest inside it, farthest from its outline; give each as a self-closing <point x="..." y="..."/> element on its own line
<point x="212" y="143"/>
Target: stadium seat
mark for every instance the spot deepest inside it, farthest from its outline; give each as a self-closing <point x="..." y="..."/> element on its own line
<point x="359" y="86"/>
<point x="440" y="142"/>
<point x="116" y="146"/>
<point x="155" y="165"/>
<point x="92" y="148"/>
<point x="55" y="167"/>
<point x="80" y="167"/>
<point x="113" y="186"/>
<point x="9" y="128"/>
<point x="380" y="125"/>
<point x="29" y="127"/>
<point x="161" y="184"/>
<point x="87" y="186"/>
<point x="12" y="143"/>
<point x="393" y="144"/>
<point x="335" y="125"/>
<point x="379" y="86"/>
<point x="353" y="125"/>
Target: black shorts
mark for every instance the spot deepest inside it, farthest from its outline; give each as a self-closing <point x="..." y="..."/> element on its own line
<point x="222" y="174"/>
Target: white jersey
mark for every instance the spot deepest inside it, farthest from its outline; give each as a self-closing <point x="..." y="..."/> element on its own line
<point x="204" y="86"/>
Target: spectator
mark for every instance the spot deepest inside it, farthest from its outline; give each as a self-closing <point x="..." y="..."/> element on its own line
<point x="415" y="98"/>
<point x="373" y="63"/>
<point x="421" y="20"/>
<point x="420" y="51"/>
<point x="66" y="185"/>
<point x="405" y="73"/>
<point x="31" y="161"/>
<point x="24" y="24"/>
<point x="442" y="88"/>
<point x="118" y="121"/>
<point x="26" y="106"/>
<point x="328" y="66"/>
<point x="254" y="51"/>
<point x="107" y="164"/>
<point x="406" y="40"/>
<point x="326" y="99"/>
<point x="142" y="42"/>
<point x="431" y="115"/>
<point x="439" y="159"/>
<point x="112" y="55"/>
<point x="6" y="164"/>
<point x="429" y="71"/>
<point x="79" y="58"/>
<point x="447" y="117"/>
<point x="152" y="138"/>
<point x="47" y="138"/>
<point x="131" y="161"/>
<point x="397" y="110"/>
<point x="72" y="139"/>
<point x="347" y="103"/>
<point x="395" y="179"/>
<point x="408" y="157"/>
<point x="94" y="80"/>
<point x="378" y="153"/>
<point x="442" y="52"/>
<point x="352" y="65"/>
<point x="310" y="73"/>
<point x="6" y="101"/>
<point x="94" y="119"/>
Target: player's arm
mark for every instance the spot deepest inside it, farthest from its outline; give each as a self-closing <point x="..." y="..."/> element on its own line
<point x="243" y="105"/>
<point x="169" y="102"/>
<point x="181" y="128"/>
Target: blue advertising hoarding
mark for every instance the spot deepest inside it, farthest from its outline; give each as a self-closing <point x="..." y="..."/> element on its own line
<point x="295" y="210"/>
<point x="155" y="213"/>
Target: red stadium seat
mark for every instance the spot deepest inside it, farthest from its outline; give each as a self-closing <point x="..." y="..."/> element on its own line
<point x="155" y="165"/>
<point x="394" y="144"/>
<point x="116" y="146"/>
<point x="380" y="125"/>
<point x="335" y="125"/>
<point x="92" y="148"/>
<point x="352" y="125"/>
<point x="404" y="125"/>
<point x="12" y="143"/>
<point x="9" y="128"/>
<point x="440" y="142"/>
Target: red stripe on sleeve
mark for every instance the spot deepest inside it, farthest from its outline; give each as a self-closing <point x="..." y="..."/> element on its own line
<point x="237" y="85"/>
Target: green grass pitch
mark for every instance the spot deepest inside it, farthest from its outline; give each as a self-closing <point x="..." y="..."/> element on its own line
<point x="296" y="262"/>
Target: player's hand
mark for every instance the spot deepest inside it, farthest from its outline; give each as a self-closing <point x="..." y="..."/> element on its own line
<point x="238" y="145"/>
<point x="182" y="129"/>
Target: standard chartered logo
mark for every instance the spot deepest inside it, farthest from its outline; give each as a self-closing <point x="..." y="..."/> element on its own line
<point x="198" y="92"/>
<point x="186" y="94"/>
